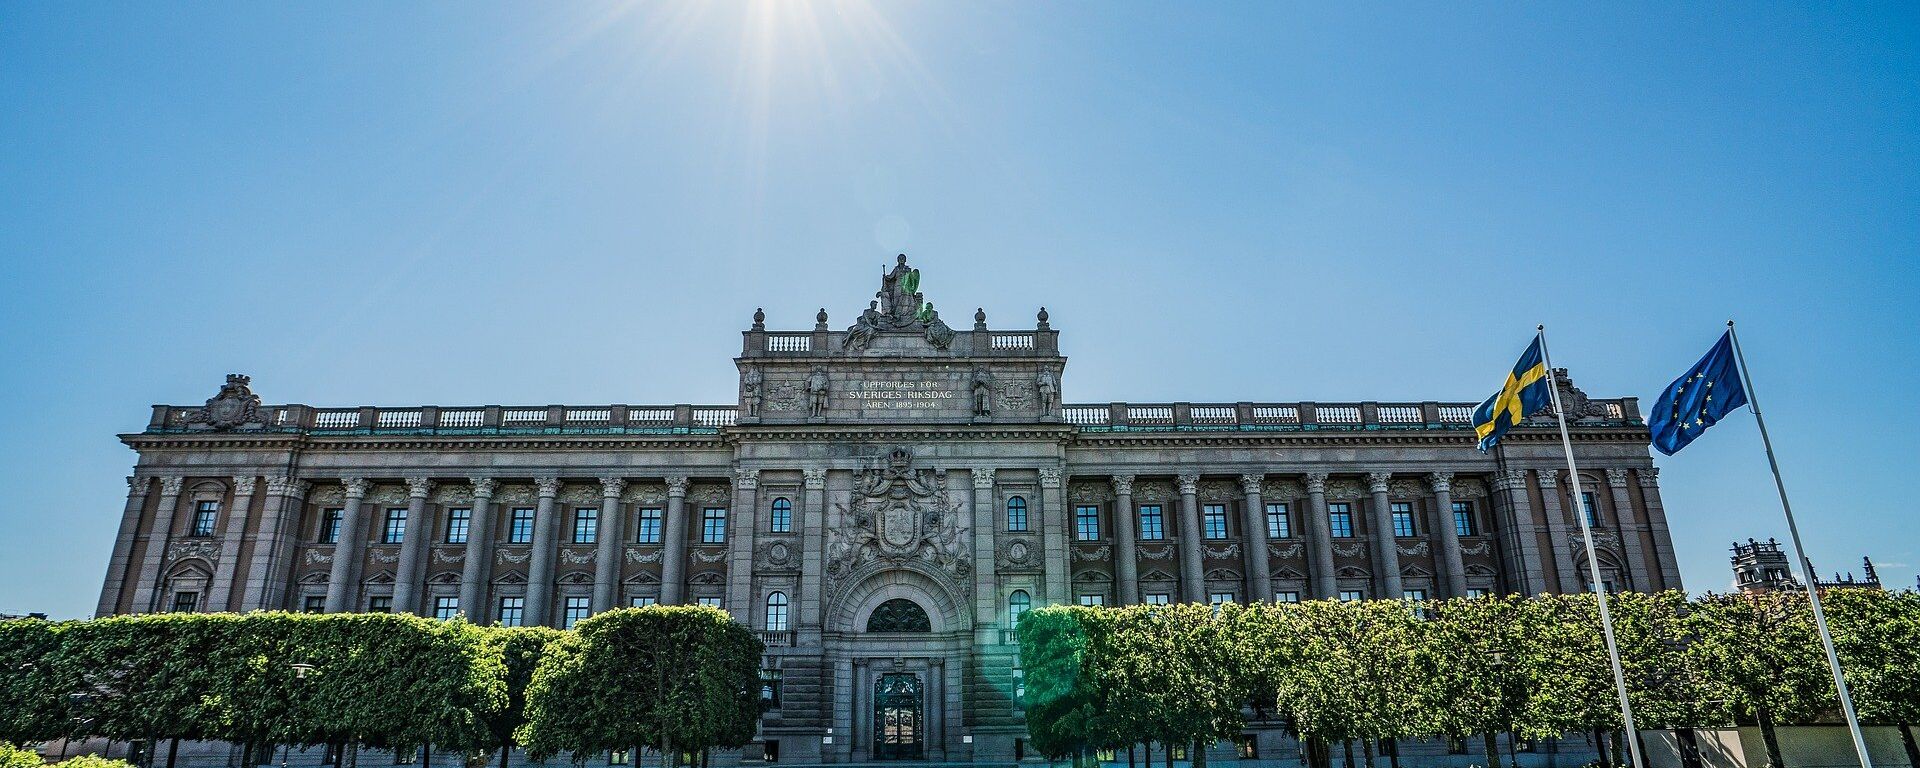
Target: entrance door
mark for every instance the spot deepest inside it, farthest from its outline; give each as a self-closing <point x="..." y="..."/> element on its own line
<point x="899" y="725"/>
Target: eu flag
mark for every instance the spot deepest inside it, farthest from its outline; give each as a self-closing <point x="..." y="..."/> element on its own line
<point x="1698" y="399"/>
<point x="1526" y="391"/>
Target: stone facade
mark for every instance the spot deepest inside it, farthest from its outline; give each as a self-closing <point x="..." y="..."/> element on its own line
<point x="878" y="504"/>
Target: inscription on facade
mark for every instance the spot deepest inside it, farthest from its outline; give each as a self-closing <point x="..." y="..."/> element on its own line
<point x="890" y="395"/>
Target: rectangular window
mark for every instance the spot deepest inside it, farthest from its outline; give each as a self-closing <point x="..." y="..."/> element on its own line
<point x="513" y="611"/>
<point x="1286" y="597"/>
<point x="1086" y="523"/>
<point x="1279" y="524"/>
<point x="710" y="602"/>
<point x="406" y="757"/>
<point x="1415" y="595"/>
<point x="395" y="531"/>
<point x="577" y="609"/>
<point x="1463" y="519"/>
<point x="1340" y="519"/>
<point x="1586" y="503"/>
<point x="520" y="526"/>
<point x="619" y="757"/>
<point x="1153" y="524"/>
<point x="1219" y="598"/>
<point x="330" y="526"/>
<point x="781" y="520"/>
<point x="313" y="604"/>
<point x="1093" y="600"/>
<point x="1157" y="598"/>
<point x="643" y="601"/>
<point x="1016" y="513"/>
<point x="713" y="525"/>
<point x="1247" y="746"/>
<point x="1476" y="592"/>
<point x="1213" y="521"/>
<point x="445" y="608"/>
<point x="770" y="687"/>
<point x="380" y="604"/>
<point x="649" y="530"/>
<point x="459" y="522"/>
<point x="586" y="525"/>
<point x="1402" y="513"/>
<point x="1350" y="595"/>
<point x="185" y="602"/>
<point x="205" y="514"/>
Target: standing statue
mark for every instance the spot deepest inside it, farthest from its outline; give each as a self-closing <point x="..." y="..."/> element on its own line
<point x="817" y="392"/>
<point x="899" y="295"/>
<point x="750" y="385"/>
<point x="982" y="393"/>
<point x="1049" y="392"/>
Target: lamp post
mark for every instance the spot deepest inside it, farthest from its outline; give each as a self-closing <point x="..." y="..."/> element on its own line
<point x="300" y="671"/>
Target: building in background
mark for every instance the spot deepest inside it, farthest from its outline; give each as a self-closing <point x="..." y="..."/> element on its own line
<point x="1761" y="567"/>
<point x="881" y="503"/>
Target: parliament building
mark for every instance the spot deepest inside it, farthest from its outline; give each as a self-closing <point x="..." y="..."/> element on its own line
<point x="879" y="503"/>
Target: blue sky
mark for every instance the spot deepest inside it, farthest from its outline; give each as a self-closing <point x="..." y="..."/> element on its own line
<point x="584" y="203"/>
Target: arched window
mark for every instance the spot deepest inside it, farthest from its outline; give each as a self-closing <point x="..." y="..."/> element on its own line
<point x="1017" y="604"/>
<point x="781" y="521"/>
<point x="1016" y="513"/>
<point x="899" y="615"/>
<point x="777" y="612"/>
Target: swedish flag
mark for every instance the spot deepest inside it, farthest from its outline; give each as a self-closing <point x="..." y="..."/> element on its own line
<point x="1698" y="399"/>
<point x="1526" y="391"/>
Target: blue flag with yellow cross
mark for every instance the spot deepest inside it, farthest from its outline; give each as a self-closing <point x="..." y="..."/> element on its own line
<point x="1526" y="391"/>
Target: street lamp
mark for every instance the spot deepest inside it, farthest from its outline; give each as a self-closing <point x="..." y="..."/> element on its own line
<point x="300" y="670"/>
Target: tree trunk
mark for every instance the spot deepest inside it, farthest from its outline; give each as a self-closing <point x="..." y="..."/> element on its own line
<point x="1347" y="745"/>
<point x="1621" y="754"/>
<point x="1513" y="749"/>
<point x="173" y="752"/>
<point x="1199" y="754"/>
<point x="353" y="755"/>
<point x="1772" y="739"/>
<point x="1392" y="748"/>
<point x="1130" y="756"/>
<point x="1167" y="746"/>
<point x="1906" y="740"/>
<point x="1366" y="746"/>
<point x="506" y="749"/>
<point x="1600" y="746"/>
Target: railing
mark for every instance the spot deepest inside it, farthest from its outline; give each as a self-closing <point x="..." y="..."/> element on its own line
<point x="523" y="415"/>
<point x="397" y="419"/>
<point x="463" y="418"/>
<point x="776" y="638"/>
<point x="1461" y="414"/>
<point x="1009" y="637"/>
<point x="1085" y="415"/>
<point x="1121" y="417"/>
<point x="1401" y="414"/>
<point x="1011" y="341"/>
<point x="649" y="416"/>
<point x="336" y="419"/>
<point x="589" y="414"/>
<point x="715" y="417"/>
<point x="789" y="342"/>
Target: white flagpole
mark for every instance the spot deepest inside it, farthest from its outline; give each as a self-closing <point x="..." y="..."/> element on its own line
<point x="1593" y="561"/>
<point x="1806" y="566"/>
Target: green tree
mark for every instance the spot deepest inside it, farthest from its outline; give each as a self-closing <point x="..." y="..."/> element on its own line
<point x="1478" y="658"/>
<point x="33" y="705"/>
<point x="12" y="756"/>
<point x="1342" y="672"/>
<point x="674" y="678"/>
<point x="521" y="650"/>
<point x="1877" y="636"/>
<point x="1762" y="655"/>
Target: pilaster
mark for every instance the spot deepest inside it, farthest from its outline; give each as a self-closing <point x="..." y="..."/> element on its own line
<point x="476" y="570"/>
<point x="1386" y="549"/>
<point x="546" y="549"/>
<point x="123" y="546"/>
<point x="153" y="564"/>
<point x="746" y="506"/>
<point x="673" y="565"/>
<point x="233" y="540"/>
<point x="1193" y="587"/>
<point x="1320" y="555"/>
<point x="343" y="578"/>
<point x="1620" y="505"/>
<point x="270" y="573"/>
<point x="1558" y="532"/>
<point x="1053" y="526"/>
<point x="1259" y="571"/>
<point x="813" y="528"/>
<point x="1649" y="478"/>
<point x="1126" y="561"/>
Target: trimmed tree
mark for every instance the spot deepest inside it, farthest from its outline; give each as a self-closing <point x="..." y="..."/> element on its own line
<point x="521" y="650"/>
<point x="1479" y="658"/>
<point x="33" y="704"/>
<point x="1762" y="655"/>
<point x="1877" y="636"/>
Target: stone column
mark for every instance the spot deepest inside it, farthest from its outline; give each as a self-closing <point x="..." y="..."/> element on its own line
<point x="1386" y="557"/>
<point x="1623" y="518"/>
<point x="986" y="586"/>
<point x="746" y="500"/>
<point x="123" y="546"/>
<point x="1193" y="585"/>
<point x="232" y="538"/>
<point x="267" y="575"/>
<point x="812" y="524"/>
<point x="1126" y="562"/>
<point x="1557" y="531"/>
<point x="409" y="577"/>
<point x="937" y="708"/>
<point x="343" y="580"/>
<point x="546" y="535"/>
<point x="1442" y="483"/>
<point x="1053" y="527"/>
<point x="1520" y="535"/>
<point x="477" y="569"/>
<point x="1259" y="571"/>
<point x="609" y="545"/>
<point x="146" y="598"/>
<point x="1649" y="478"/>
<point x="673" y="561"/>
<point x="1320" y="554"/>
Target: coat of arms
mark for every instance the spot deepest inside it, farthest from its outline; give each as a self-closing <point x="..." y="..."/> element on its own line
<point x="899" y="514"/>
<point x="235" y="405"/>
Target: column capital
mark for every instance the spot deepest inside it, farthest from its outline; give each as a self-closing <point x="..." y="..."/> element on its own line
<point x="815" y="478"/>
<point x="677" y="485"/>
<point x="1316" y="482"/>
<point x="611" y="486"/>
<point x="283" y="485"/>
<point x="1649" y="477"/>
<point x="1250" y="483"/>
<point x="419" y="486"/>
<point x="747" y="479"/>
<point x="1617" y="478"/>
<point x="483" y="486"/>
<point x="171" y="485"/>
<point x="1123" y="485"/>
<point x="137" y="485"/>
<point x="1050" y="477"/>
<point x="356" y="487"/>
<point x="1189" y="482"/>
<point x="1441" y="482"/>
<point x="549" y="486"/>
<point x="1377" y="481"/>
<point x="982" y="479"/>
<point x="1548" y="479"/>
<point x="243" y="485"/>
<point x="1516" y="479"/>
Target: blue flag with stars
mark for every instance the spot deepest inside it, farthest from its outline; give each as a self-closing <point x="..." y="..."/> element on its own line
<point x="1700" y="398"/>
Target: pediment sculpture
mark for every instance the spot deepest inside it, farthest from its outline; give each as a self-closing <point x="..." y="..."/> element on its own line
<point x="234" y="405"/>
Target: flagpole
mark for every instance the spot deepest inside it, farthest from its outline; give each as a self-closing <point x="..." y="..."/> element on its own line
<point x="1806" y="566"/>
<point x="1593" y="560"/>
